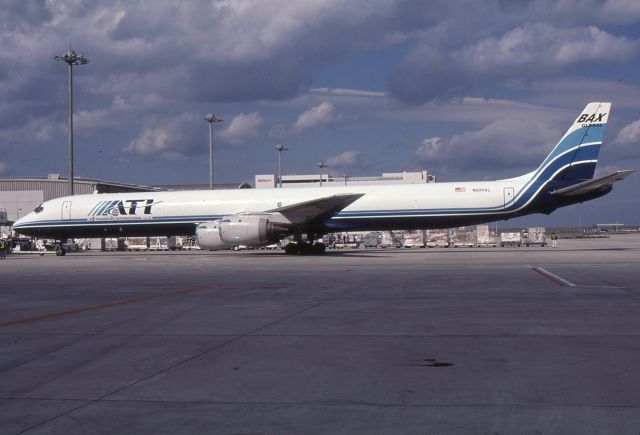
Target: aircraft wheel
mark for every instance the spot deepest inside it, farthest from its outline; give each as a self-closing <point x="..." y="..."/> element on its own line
<point x="60" y="251"/>
<point x="318" y="248"/>
<point x="291" y="249"/>
<point x="305" y="248"/>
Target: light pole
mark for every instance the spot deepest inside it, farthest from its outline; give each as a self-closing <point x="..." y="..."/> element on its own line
<point x="280" y="148"/>
<point x="211" y="119"/>
<point x="321" y="165"/>
<point x="346" y="177"/>
<point x="71" y="58"/>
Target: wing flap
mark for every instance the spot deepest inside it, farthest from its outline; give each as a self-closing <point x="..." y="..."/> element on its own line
<point x="593" y="185"/>
<point x="316" y="209"/>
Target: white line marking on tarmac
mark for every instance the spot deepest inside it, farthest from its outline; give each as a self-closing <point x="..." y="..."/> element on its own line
<point x="555" y="277"/>
<point x="601" y="286"/>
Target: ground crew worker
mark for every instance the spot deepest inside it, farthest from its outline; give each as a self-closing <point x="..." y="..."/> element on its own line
<point x="4" y="247"/>
<point x="554" y="239"/>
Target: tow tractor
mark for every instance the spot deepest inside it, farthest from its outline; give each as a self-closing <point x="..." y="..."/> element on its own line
<point x="62" y="248"/>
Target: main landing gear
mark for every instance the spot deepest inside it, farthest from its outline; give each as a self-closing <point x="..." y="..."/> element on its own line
<point x="305" y="248"/>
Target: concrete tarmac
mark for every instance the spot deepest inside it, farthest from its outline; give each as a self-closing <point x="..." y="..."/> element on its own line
<point x="461" y="341"/>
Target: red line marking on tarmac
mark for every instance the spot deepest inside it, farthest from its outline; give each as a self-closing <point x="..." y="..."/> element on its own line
<point x="98" y="307"/>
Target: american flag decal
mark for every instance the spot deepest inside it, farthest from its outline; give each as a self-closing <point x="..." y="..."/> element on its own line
<point x="461" y="189"/>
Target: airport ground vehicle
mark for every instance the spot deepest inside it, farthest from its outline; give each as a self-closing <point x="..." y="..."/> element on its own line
<point x="372" y="240"/>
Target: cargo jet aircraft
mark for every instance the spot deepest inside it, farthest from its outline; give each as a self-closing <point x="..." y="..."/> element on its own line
<point x="221" y="219"/>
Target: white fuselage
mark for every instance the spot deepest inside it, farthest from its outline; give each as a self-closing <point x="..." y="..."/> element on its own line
<point x="381" y="207"/>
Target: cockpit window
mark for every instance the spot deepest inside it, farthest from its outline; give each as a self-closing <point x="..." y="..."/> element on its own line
<point x="38" y="209"/>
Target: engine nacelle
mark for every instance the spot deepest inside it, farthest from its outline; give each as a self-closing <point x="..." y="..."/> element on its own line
<point x="249" y="230"/>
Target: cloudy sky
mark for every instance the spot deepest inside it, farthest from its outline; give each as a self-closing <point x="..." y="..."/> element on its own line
<point x="465" y="89"/>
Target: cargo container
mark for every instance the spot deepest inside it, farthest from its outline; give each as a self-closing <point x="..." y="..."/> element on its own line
<point x="438" y="238"/>
<point x="463" y="237"/>
<point x="511" y="239"/>
<point x="414" y="239"/>
<point x="345" y="241"/>
<point x="136" y="243"/>
<point x="391" y="239"/>
<point x="189" y="243"/>
<point x="534" y="236"/>
<point x="484" y="237"/>
<point x="158" y="243"/>
<point x="174" y="243"/>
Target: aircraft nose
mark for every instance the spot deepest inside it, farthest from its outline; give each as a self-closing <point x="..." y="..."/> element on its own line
<point x="20" y="222"/>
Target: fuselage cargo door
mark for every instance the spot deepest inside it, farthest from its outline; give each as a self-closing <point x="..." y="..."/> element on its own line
<point x="508" y="196"/>
<point x="66" y="210"/>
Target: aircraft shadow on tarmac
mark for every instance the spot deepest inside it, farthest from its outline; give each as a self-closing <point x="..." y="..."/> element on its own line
<point x="362" y="254"/>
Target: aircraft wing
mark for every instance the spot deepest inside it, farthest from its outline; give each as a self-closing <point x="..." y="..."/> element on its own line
<point x="593" y="185"/>
<point x="316" y="209"/>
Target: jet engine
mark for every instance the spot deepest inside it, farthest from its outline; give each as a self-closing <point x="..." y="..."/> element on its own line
<point x="239" y="229"/>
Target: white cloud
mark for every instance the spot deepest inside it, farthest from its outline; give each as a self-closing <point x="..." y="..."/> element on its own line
<point x="499" y="145"/>
<point x="36" y="129"/>
<point x="630" y="134"/>
<point x="171" y="138"/>
<point x="530" y="52"/>
<point x="270" y="52"/>
<point x="627" y="143"/>
<point x="541" y="46"/>
<point x="151" y="141"/>
<point x="347" y="158"/>
<point x="432" y="148"/>
<point x="242" y="127"/>
<point x="4" y="168"/>
<point x="569" y="92"/>
<point x="346" y="92"/>
<point x="321" y="114"/>
<point x="621" y="11"/>
<point x="47" y="130"/>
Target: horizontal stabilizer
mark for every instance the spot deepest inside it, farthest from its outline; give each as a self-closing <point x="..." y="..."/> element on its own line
<point x="316" y="209"/>
<point x="593" y="185"/>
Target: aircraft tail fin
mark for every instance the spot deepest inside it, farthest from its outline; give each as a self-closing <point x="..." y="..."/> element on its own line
<point x="574" y="158"/>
